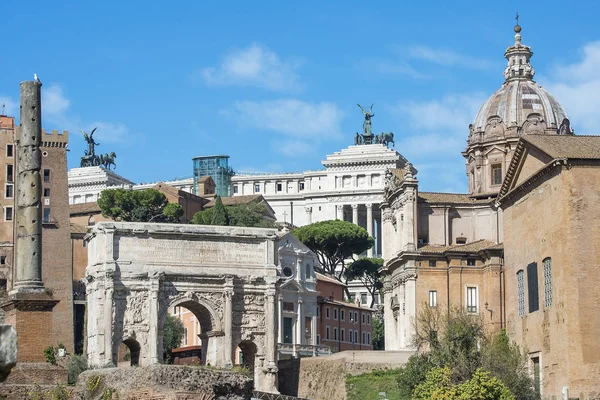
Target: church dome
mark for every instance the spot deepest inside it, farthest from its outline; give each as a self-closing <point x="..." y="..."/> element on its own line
<point x="520" y="106"/>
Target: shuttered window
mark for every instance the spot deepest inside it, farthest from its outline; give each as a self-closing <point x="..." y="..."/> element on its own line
<point x="521" y="292"/>
<point x="532" y="287"/>
<point x="547" y="282"/>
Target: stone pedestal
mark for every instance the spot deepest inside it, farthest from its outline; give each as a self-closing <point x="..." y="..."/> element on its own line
<point x="31" y="315"/>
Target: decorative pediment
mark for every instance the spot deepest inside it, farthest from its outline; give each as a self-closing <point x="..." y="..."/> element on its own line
<point x="494" y="128"/>
<point x="535" y="125"/>
<point x="495" y="149"/>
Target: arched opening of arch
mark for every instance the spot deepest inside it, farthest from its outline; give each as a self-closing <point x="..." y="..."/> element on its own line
<point x="245" y="355"/>
<point x="187" y="338"/>
<point x="128" y="353"/>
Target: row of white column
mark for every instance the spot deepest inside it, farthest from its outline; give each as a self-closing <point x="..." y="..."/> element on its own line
<point x="369" y="206"/>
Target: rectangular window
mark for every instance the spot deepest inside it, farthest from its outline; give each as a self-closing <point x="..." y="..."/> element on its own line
<point x="3" y="260"/>
<point x="46" y="192"/>
<point x="327" y="332"/>
<point x="521" y="291"/>
<point x="342" y="315"/>
<point x="363" y="298"/>
<point x="318" y="340"/>
<point x="301" y="186"/>
<point x="318" y="311"/>
<point x="368" y="319"/>
<point x="433" y="298"/>
<point x="46" y="216"/>
<point x="288" y="306"/>
<point x="363" y="318"/>
<point x="279" y="187"/>
<point x="431" y="263"/>
<point x="8" y="191"/>
<point x="532" y="287"/>
<point x="257" y="188"/>
<point x="288" y="330"/>
<point x="497" y="174"/>
<point x="327" y="312"/>
<point x="46" y="175"/>
<point x="536" y="370"/>
<point x="308" y="326"/>
<point x="235" y="189"/>
<point x="335" y="331"/>
<point x="471" y="299"/>
<point x="175" y="310"/>
<point x="355" y="316"/>
<point x="547" y="282"/>
<point x="185" y="336"/>
<point x="355" y="336"/>
<point x="9" y="150"/>
<point x="364" y="338"/>
<point x="368" y="338"/>
<point x="8" y="213"/>
<point x="335" y="313"/>
<point x="343" y="335"/>
<point x="9" y="173"/>
<point x="376" y="299"/>
<point x="471" y="262"/>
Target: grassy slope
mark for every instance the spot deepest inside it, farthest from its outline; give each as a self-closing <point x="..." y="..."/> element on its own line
<point x="368" y="386"/>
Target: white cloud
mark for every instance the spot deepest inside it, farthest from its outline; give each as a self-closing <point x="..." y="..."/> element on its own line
<point x="300" y="125"/>
<point x="293" y="118"/>
<point x="56" y="112"/>
<point x="10" y="106"/>
<point x="447" y="57"/>
<point x="577" y="87"/>
<point x="433" y="136"/>
<point x="255" y="66"/>
<point x="53" y="100"/>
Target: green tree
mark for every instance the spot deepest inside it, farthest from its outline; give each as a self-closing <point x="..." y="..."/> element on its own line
<point x="366" y="270"/>
<point x="219" y="216"/>
<point x="203" y="217"/>
<point x="334" y="242"/>
<point x="458" y="340"/>
<point x="173" y="332"/>
<point x="252" y="215"/>
<point x="378" y="334"/>
<point x="413" y="373"/>
<point x="172" y="212"/>
<point x="132" y="205"/>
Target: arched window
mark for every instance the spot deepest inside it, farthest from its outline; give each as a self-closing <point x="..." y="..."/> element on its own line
<point x="521" y="291"/>
<point x="547" y="282"/>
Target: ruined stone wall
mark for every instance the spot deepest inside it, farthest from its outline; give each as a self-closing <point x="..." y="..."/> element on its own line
<point x="163" y="382"/>
<point x="324" y="378"/>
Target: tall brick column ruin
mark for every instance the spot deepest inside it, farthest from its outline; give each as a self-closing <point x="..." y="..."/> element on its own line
<point x="29" y="306"/>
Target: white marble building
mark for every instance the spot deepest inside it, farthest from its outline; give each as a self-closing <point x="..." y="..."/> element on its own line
<point x="297" y="300"/>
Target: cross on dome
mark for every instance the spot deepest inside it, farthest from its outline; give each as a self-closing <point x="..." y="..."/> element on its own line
<point x="518" y="57"/>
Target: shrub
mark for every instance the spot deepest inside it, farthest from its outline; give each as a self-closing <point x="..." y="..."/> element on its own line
<point x="413" y="373"/>
<point x="49" y="355"/>
<point x="76" y="366"/>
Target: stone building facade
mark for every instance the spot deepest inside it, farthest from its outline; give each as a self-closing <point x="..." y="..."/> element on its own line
<point x="341" y="325"/>
<point x="226" y="276"/>
<point x="56" y="245"/>
<point x="519" y="249"/>
<point x="551" y="203"/>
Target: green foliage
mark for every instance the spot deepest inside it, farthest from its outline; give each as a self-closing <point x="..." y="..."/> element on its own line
<point x="172" y="213"/>
<point x="413" y="373"/>
<point x="367" y="386"/>
<point x="367" y="271"/>
<point x="76" y="366"/>
<point x="93" y="383"/>
<point x="240" y="369"/>
<point x="378" y="334"/>
<point x="49" y="355"/>
<point x="173" y="332"/>
<point x="60" y="392"/>
<point x="109" y="394"/>
<point x="457" y="340"/>
<point x="482" y="386"/>
<point x="132" y="205"/>
<point x="219" y="216"/>
<point x="251" y="215"/>
<point x="505" y="361"/>
<point x="334" y="242"/>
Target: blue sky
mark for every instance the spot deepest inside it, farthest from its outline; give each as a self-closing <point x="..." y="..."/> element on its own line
<point x="275" y="84"/>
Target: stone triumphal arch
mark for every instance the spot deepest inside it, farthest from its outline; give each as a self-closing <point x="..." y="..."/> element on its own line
<point x="226" y="276"/>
